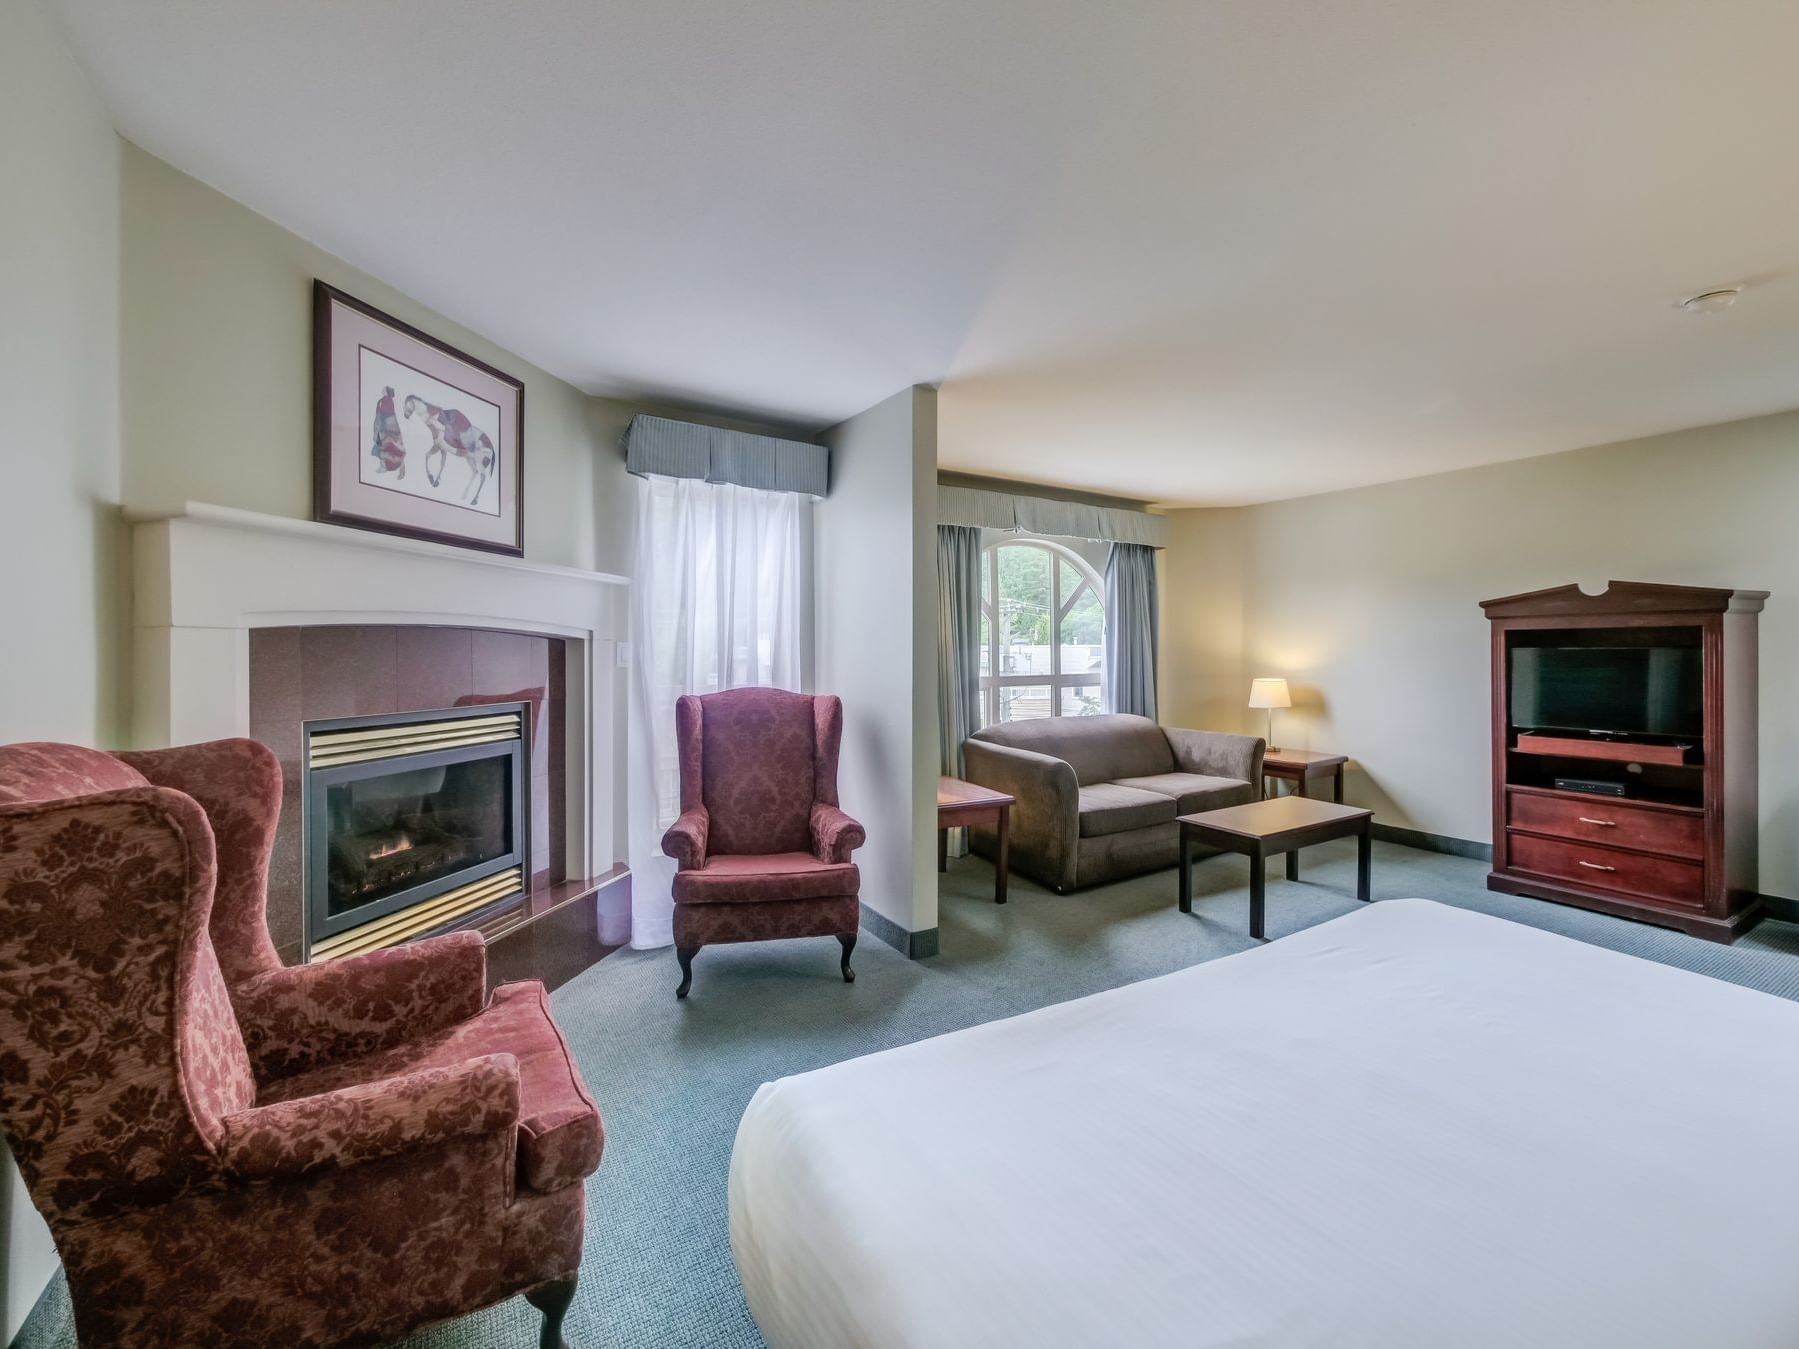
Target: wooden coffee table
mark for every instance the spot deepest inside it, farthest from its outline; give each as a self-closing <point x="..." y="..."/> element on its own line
<point x="960" y="803"/>
<point x="1283" y="824"/>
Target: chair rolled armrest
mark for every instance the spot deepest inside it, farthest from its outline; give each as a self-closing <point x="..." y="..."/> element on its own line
<point x="304" y="1016"/>
<point x="1218" y="755"/>
<point x="685" y="840"/>
<point x="356" y="1124"/>
<point x="834" y="834"/>
<point x="1045" y="825"/>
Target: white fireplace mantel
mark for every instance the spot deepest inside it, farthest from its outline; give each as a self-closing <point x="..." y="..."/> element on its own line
<point x="206" y="575"/>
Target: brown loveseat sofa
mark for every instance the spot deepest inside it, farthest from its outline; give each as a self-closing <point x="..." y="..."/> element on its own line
<point x="1097" y="796"/>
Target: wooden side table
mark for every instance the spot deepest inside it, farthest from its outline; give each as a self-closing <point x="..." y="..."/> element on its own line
<point x="960" y="803"/>
<point x="1301" y="766"/>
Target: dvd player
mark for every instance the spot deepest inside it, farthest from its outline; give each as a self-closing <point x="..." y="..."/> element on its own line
<point x="1597" y="786"/>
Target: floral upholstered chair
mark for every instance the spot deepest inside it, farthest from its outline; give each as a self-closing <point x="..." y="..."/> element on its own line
<point x="762" y="847"/>
<point x="230" y="1152"/>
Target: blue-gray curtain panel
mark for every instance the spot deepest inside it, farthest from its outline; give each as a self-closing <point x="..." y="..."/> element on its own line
<point x="958" y="640"/>
<point x="1131" y="629"/>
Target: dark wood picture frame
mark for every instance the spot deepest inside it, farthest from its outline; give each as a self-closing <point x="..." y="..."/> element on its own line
<point x="324" y="298"/>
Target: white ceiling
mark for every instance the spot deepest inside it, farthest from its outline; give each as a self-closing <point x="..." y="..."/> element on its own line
<point x="1201" y="251"/>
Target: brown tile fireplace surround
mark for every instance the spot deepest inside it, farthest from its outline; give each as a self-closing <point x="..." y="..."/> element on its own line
<point x="309" y="674"/>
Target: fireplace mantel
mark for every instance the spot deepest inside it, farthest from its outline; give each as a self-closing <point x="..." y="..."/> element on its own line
<point x="206" y="575"/>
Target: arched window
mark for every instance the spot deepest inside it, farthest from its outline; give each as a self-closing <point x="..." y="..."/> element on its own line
<point x="1043" y="633"/>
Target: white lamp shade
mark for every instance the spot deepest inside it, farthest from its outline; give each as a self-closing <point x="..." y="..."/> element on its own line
<point x="1269" y="693"/>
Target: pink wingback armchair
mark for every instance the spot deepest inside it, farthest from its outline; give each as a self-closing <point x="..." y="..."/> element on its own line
<point x="230" y="1152"/>
<point x="762" y="847"/>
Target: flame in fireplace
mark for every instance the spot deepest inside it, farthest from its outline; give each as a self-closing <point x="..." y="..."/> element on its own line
<point x="400" y="844"/>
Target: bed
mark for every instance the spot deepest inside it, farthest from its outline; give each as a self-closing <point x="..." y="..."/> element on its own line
<point x="1414" y="1126"/>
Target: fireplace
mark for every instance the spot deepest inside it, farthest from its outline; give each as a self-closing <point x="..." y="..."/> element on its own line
<point x="412" y="823"/>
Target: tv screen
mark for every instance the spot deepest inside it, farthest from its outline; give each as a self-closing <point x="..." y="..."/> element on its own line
<point x="1625" y="690"/>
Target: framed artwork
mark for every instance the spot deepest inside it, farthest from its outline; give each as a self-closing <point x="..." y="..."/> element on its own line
<point x="411" y="436"/>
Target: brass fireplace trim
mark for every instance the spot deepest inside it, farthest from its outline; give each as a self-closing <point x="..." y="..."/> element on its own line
<point x="364" y="744"/>
<point x="410" y="922"/>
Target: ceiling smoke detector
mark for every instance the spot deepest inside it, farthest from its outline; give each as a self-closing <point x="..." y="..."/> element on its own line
<point x="1711" y="301"/>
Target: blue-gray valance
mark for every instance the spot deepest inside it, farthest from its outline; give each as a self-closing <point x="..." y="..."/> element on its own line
<point x="658" y="445"/>
<point x="1042" y="515"/>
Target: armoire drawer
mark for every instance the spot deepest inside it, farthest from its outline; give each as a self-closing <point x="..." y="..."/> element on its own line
<point x="1609" y="822"/>
<point x="1663" y="878"/>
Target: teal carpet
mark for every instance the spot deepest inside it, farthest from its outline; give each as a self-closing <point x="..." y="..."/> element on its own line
<point x="673" y="1078"/>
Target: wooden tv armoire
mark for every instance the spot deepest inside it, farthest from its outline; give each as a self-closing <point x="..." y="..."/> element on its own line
<point x="1677" y="845"/>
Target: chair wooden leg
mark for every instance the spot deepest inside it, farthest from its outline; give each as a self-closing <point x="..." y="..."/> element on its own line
<point x="849" y="944"/>
<point x="685" y="955"/>
<point x="553" y="1301"/>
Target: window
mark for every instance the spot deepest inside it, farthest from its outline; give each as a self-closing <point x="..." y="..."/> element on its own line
<point x="1043" y="632"/>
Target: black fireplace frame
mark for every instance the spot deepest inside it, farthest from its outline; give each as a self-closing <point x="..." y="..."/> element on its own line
<point x="321" y="923"/>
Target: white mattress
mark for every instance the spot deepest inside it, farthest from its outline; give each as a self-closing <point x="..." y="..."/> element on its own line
<point x="1412" y="1126"/>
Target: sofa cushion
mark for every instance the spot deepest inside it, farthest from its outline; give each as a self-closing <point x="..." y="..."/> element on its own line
<point x="1194" y="792"/>
<point x="741" y="878"/>
<point x="1099" y="749"/>
<point x="1108" y="808"/>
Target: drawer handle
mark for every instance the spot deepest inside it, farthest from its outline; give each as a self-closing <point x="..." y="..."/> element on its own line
<point x="1595" y="866"/>
<point x="1603" y="824"/>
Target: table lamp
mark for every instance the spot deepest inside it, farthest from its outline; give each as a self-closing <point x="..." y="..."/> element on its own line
<point x="1269" y="693"/>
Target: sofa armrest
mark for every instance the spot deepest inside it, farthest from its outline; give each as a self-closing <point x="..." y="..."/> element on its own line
<point x="395" y="1115"/>
<point x="1045" y="826"/>
<point x="1218" y="755"/>
<point x="304" y="1016"/>
<point x="834" y="834"/>
<point x="685" y="840"/>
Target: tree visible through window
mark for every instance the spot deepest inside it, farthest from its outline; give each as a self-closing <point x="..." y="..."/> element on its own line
<point x="1043" y="628"/>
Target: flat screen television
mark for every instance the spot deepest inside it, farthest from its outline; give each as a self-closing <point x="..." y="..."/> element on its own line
<point x="1617" y="690"/>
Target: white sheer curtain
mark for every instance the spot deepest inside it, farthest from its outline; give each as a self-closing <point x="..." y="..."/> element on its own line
<point x="716" y="602"/>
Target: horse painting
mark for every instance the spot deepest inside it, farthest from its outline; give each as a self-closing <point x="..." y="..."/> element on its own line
<point x="388" y="448"/>
<point x="453" y="434"/>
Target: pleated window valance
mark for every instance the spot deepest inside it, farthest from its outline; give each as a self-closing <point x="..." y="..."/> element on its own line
<point x="671" y="449"/>
<point x="1041" y="515"/>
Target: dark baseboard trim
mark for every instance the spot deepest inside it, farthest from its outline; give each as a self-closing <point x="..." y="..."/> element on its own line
<point x="1779" y="906"/>
<point x="1417" y="838"/>
<point x="912" y="945"/>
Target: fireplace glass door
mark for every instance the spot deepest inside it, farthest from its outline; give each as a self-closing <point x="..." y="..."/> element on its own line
<point x="415" y="826"/>
<point x="411" y="822"/>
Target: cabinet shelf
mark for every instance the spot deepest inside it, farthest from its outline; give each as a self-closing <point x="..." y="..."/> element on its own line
<point x="1611" y="751"/>
<point x="1652" y="800"/>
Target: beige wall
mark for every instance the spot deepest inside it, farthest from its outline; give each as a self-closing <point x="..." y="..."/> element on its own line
<point x="1199" y="681"/>
<point x="217" y="369"/>
<point x="1367" y="601"/>
<point x="875" y="573"/>
<point x="62" y="547"/>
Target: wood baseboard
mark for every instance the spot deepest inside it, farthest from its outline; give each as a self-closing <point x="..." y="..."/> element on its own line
<point x="1443" y="843"/>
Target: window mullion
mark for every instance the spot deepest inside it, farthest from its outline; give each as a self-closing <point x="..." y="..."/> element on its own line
<point x="993" y="637"/>
<point x="1075" y="598"/>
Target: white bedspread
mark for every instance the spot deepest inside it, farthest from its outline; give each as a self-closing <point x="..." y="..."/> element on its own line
<point x="1414" y="1126"/>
